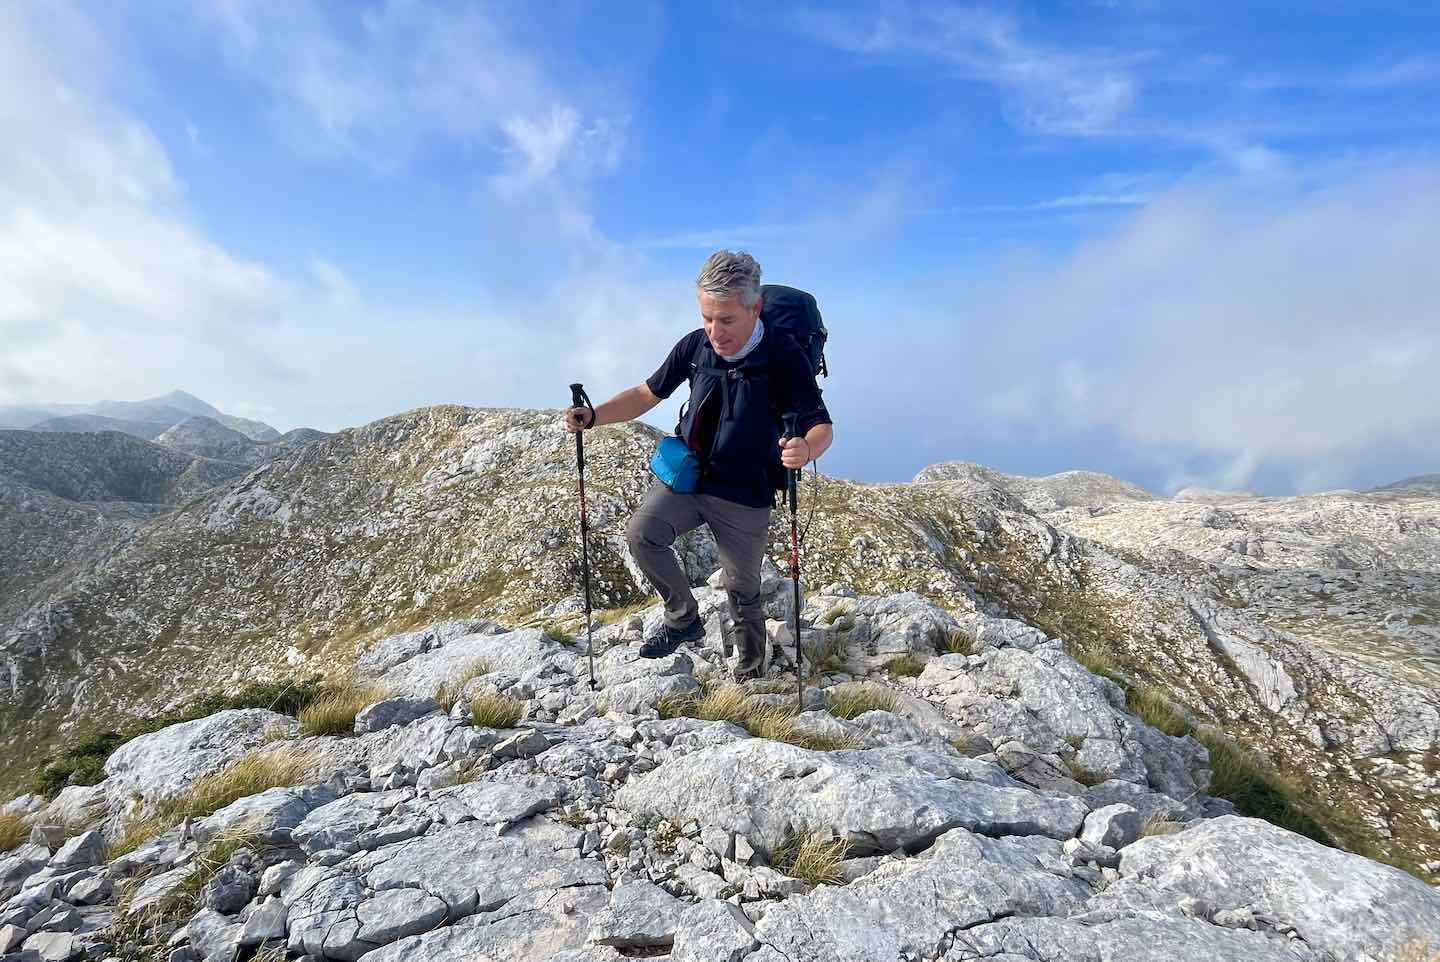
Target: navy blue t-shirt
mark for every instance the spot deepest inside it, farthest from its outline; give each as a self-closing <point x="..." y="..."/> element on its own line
<point x="791" y="381"/>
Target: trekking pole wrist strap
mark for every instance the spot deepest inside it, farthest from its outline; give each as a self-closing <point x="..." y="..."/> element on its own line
<point x="579" y="399"/>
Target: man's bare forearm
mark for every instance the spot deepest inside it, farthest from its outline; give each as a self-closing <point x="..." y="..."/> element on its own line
<point x="819" y="438"/>
<point x="626" y="406"/>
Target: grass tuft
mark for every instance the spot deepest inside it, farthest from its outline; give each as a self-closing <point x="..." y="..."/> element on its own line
<point x="1257" y="791"/>
<point x="1084" y="775"/>
<point x="495" y="711"/>
<point x="249" y="775"/>
<point x="614" y="615"/>
<point x="960" y="642"/>
<point x="968" y="745"/>
<point x="333" y="713"/>
<point x="733" y="704"/>
<point x="1152" y="708"/>
<point x="449" y="692"/>
<point x="814" y="859"/>
<point x="906" y="666"/>
<point x="83" y="762"/>
<point x="1418" y="950"/>
<point x="1160" y="825"/>
<point x="854" y="701"/>
<point x="828" y="657"/>
<point x="778" y="724"/>
<point x="13" y="830"/>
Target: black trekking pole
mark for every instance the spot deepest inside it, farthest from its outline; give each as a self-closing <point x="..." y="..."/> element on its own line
<point x="578" y="398"/>
<point x="792" y="483"/>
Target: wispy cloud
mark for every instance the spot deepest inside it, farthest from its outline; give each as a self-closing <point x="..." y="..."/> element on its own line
<point x="1376" y="76"/>
<point x="1050" y="90"/>
<point x="374" y="82"/>
<point x="336" y="284"/>
<point x="1240" y="321"/>
<point x="1401" y="73"/>
<point x="98" y="263"/>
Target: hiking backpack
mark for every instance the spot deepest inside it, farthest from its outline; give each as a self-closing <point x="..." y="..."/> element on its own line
<point x="796" y="313"/>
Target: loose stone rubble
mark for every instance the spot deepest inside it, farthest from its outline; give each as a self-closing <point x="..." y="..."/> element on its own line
<point x="599" y="830"/>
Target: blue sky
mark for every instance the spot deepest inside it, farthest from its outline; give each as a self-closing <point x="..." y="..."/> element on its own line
<point x="1185" y="244"/>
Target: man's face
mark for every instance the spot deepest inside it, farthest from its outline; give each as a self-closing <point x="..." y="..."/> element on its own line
<point x="728" y="323"/>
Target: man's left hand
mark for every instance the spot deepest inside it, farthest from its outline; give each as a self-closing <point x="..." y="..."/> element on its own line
<point x="794" y="452"/>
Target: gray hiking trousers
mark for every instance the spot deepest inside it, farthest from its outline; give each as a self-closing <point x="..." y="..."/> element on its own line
<point x="740" y="534"/>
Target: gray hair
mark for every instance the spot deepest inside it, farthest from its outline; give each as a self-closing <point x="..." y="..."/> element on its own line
<point x="728" y="274"/>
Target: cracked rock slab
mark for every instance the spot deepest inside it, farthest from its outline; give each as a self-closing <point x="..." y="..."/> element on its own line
<point x="713" y="931"/>
<point x="1135" y="939"/>
<point x="547" y="924"/>
<point x="472" y="869"/>
<point x="879" y="800"/>
<point x="912" y="905"/>
<point x="640" y="915"/>
<point x="1338" y="903"/>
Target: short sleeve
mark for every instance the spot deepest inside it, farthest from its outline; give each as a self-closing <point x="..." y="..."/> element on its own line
<point x="675" y="369"/>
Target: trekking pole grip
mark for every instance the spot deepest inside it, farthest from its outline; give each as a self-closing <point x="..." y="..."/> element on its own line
<point x="579" y="399"/>
<point x="792" y="476"/>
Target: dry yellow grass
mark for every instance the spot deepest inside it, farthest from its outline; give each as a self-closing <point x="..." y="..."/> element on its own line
<point x="333" y="713"/>
<point x="249" y="775"/>
<point x="853" y="701"/>
<point x="1159" y="825"/>
<point x="960" y="642"/>
<point x="449" y="693"/>
<point x="969" y="745"/>
<point x="814" y="859"/>
<point x="733" y="704"/>
<point x="1418" y="950"/>
<point x="907" y="666"/>
<point x="13" y="830"/>
<point x="495" y="711"/>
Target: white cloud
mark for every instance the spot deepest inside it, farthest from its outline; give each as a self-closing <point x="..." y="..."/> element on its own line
<point x="373" y="83"/>
<point x="1049" y="90"/>
<point x="336" y="284"/>
<point x="105" y="289"/>
<point x="1401" y="73"/>
<point x="1240" y="321"/>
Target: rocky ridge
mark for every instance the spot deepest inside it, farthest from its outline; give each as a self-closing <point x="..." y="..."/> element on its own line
<point x="461" y="513"/>
<point x="599" y="829"/>
<point x="146" y="419"/>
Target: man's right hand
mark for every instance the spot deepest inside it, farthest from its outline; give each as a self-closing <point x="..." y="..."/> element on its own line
<point x="577" y="419"/>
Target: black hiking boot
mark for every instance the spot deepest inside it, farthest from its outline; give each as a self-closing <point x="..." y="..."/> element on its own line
<point x="667" y="639"/>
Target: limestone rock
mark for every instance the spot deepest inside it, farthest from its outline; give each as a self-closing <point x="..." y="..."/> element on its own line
<point x="82" y="851"/>
<point x="271" y="816"/>
<point x="164" y="764"/>
<point x="1115" y="826"/>
<point x="394" y="711"/>
<point x="1139" y="937"/>
<point x="394" y="914"/>
<point x="910" y="907"/>
<point x="879" y="800"/>
<point x="713" y="931"/>
<point x="640" y="915"/>
<point x="264" y="922"/>
<point x="1338" y="903"/>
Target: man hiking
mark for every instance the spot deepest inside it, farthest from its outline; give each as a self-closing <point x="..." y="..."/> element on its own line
<point x="743" y="379"/>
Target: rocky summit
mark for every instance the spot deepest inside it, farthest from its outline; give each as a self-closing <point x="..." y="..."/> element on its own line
<point x="1046" y="718"/>
<point x="1001" y="804"/>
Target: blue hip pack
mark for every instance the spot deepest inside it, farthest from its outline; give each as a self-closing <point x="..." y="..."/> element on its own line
<point x="676" y="465"/>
